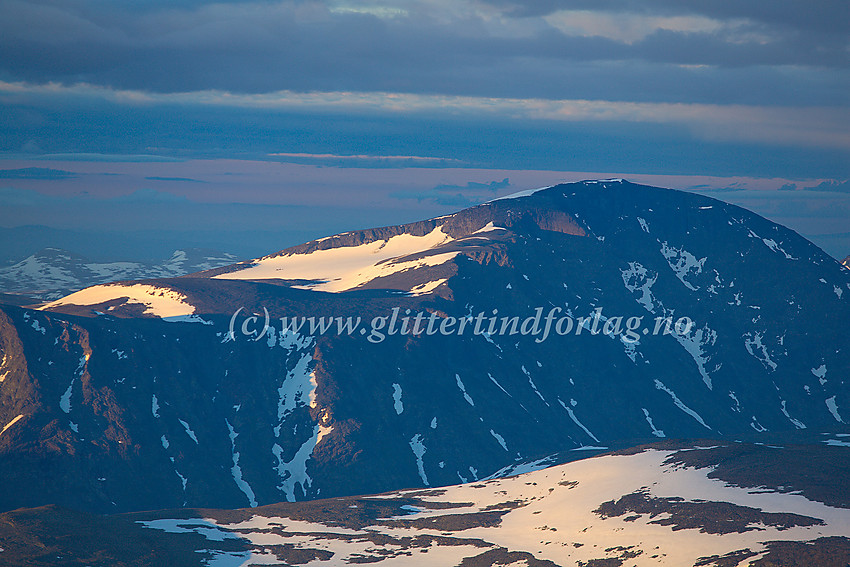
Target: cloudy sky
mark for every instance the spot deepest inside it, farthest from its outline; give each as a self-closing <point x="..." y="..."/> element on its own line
<point x="289" y="119"/>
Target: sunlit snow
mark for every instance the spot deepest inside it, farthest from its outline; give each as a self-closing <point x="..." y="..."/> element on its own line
<point x="158" y="301"/>
<point x="347" y="267"/>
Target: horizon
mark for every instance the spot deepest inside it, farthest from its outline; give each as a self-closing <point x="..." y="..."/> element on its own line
<point x="109" y="220"/>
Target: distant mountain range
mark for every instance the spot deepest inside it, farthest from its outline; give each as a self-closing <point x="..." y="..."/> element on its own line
<point x="52" y="273"/>
<point x="192" y="392"/>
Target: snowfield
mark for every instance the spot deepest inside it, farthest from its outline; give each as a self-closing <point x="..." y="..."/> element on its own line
<point x="639" y="509"/>
<point x="158" y="301"/>
<point x="344" y="268"/>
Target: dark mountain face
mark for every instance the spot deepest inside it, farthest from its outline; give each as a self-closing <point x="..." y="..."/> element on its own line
<point x="172" y="392"/>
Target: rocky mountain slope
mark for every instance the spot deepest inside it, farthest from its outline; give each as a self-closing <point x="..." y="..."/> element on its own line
<point x="192" y="391"/>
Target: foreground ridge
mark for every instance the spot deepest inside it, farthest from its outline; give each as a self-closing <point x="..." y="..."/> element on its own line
<point x="679" y="504"/>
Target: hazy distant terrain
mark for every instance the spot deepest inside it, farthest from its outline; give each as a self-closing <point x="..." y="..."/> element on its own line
<point x="52" y="273"/>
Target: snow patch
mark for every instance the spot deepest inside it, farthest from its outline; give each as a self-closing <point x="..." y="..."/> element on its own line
<point x="496" y="382"/>
<point x="500" y="439"/>
<point x="797" y="423"/>
<point x="522" y="468"/>
<point x="770" y="243"/>
<point x="533" y="385"/>
<point x="236" y="470"/>
<point x="684" y="264"/>
<point x="757" y="426"/>
<point x="397" y="403"/>
<point x="427" y="287"/>
<point x="298" y="387"/>
<point x="183" y="479"/>
<point x="695" y="343"/>
<point x="656" y="432"/>
<point x="489" y="227"/>
<point x="418" y="448"/>
<point x="463" y="390"/>
<point x="519" y="194"/>
<point x="294" y="472"/>
<point x="820" y="373"/>
<point x="65" y="400"/>
<point x="205" y="528"/>
<point x="637" y="279"/>
<point x="679" y="404"/>
<point x="575" y="419"/>
<point x="833" y="409"/>
<point x="187" y="319"/>
<point x="737" y="407"/>
<point x="189" y="431"/>
<point x="757" y="349"/>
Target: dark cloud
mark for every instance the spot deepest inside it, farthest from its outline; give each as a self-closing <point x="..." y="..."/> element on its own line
<point x="785" y="54"/>
<point x="720" y="50"/>
<point x="179" y="179"/>
<point x="822" y="16"/>
<point x="176" y="133"/>
<point x="103" y="157"/>
<point x="454" y="195"/>
<point x="265" y="47"/>
<point x="36" y="173"/>
<point x="476" y="186"/>
<point x="455" y="200"/>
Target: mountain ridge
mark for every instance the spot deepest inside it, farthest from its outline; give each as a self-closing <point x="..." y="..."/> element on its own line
<point x="216" y="409"/>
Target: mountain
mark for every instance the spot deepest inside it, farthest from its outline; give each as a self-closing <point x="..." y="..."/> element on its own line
<point x="193" y="391"/>
<point x="52" y="273"/>
<point x="683" y="503"/>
